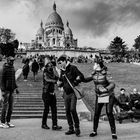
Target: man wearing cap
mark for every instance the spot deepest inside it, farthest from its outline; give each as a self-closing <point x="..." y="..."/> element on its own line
<point x="8" y="85"/>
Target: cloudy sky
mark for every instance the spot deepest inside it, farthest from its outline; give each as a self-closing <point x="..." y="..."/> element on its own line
<point x="94" y="23"/>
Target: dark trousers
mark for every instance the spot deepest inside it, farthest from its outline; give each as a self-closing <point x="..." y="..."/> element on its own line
<point x="7" y="107"/>
<point x="71" y="113"/>
<point x="50" y="101"/>
<point x="25" y="77"/>
<point x="109" y="112"/>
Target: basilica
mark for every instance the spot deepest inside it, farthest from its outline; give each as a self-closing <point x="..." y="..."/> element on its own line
<point x="53" y="34"/>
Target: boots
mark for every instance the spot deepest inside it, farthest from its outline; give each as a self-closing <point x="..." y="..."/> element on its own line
<point x="77" y="132"/>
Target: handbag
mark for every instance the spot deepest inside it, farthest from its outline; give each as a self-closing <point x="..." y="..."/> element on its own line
<point x="77" y="92"/>
<point x="104" y="99"/>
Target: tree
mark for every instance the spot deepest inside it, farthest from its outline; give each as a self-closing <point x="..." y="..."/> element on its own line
<point x="6" y="35"/>
<point x="118" y="48"/>
<point x="137" y="43"/>
<point x="137" y="46"/>
<point x="9" y="49"/>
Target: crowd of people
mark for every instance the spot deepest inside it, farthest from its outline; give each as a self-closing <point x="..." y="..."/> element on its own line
<point x="67" y="75"/>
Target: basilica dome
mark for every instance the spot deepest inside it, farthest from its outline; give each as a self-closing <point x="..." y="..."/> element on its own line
<point x="54" y="19"/>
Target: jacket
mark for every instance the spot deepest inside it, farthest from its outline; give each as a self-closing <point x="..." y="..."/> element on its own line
<point x="100" y="81"/>
<point x="72" y="73"/>
<point x="8" y="82"/>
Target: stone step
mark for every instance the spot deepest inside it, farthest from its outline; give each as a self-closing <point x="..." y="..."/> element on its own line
<point x="35" y="105"/>
<point x="34" y="102"/>
<point x="34" y="112"/>
<point x="36" y="108"/>
<point x="35" y="97"/>
<point x="17" y="116"/>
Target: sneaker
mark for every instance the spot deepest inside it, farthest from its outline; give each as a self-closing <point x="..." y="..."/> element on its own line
<point x="114" y="136"/>
<point x="134" y="120"/>
<point x="10" y="125"/>
<point x="130" y="112"/>
<point x="77" y="132"/>
<point x="70" y="132"/>
<point x="56" y="127"/>
<point x="3" y="125"/>
<point x="120" y="120"/>
<point x="44" y="126"/>
<point x="93" y="134"/>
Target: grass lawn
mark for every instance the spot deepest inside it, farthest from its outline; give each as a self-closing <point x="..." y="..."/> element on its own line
<point x="123" y="74"/>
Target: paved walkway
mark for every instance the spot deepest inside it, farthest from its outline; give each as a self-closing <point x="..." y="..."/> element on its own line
<point x="29" y="129"/>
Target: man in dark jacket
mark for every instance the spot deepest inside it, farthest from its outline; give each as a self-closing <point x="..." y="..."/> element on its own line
<point x="8" y="85"/>
<point x="26" y="69"/>
<point x="135" y="99"/>
<point x="35" y="68"/>
<point x="74" y="76"/>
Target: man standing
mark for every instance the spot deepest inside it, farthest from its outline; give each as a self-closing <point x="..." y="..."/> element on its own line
<point x="35" y="68"/>
<point x="8" y="85"/>
<point x="74" y="76"/>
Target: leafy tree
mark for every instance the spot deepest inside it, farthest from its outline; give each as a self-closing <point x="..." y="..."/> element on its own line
<point x="137" y="43"/>
<point x="137" y="46"/>
<point x="118" y="48"/>
<point x="8" y="43"/>
<point x="9" y="49"/>
<point x="6" y="35"/>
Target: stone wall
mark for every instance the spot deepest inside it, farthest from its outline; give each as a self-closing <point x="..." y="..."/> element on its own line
<point x="59" y="52"/>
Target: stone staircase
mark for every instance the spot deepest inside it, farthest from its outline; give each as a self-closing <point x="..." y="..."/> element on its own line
<point x="29" y="104"/>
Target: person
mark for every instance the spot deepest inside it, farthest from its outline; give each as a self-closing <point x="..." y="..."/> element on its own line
<point x="104" y="90"/>
<point x="26" y="69"/>
<point x="49" y="97"/>
<point x="41" y="62"/>
<point x="35" y="68"/>
<point x="135" y="99"/>
<point x="75" y="77"/>
<point x="126" y="104"/>
<point x="8" y="85"/>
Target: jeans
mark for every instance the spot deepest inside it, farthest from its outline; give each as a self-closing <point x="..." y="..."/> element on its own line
<point x="7" y="106"/>
<point x="71" y="113"/>
<point x="109" y="112"/>
<point x="50" y="101"/>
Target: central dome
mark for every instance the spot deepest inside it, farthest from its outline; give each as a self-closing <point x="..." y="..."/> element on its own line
<point x="54" y="19"/>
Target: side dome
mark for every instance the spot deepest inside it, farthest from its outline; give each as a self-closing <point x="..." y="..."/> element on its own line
<point x="41" y="29"/>
<point x="68" y="31"/>
<point x="54" y="19"/>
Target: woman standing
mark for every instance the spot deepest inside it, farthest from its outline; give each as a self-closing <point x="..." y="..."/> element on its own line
<point x="104" y="95"/>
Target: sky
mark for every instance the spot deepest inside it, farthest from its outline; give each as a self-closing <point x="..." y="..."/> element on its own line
<point x="95" y="23"/>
